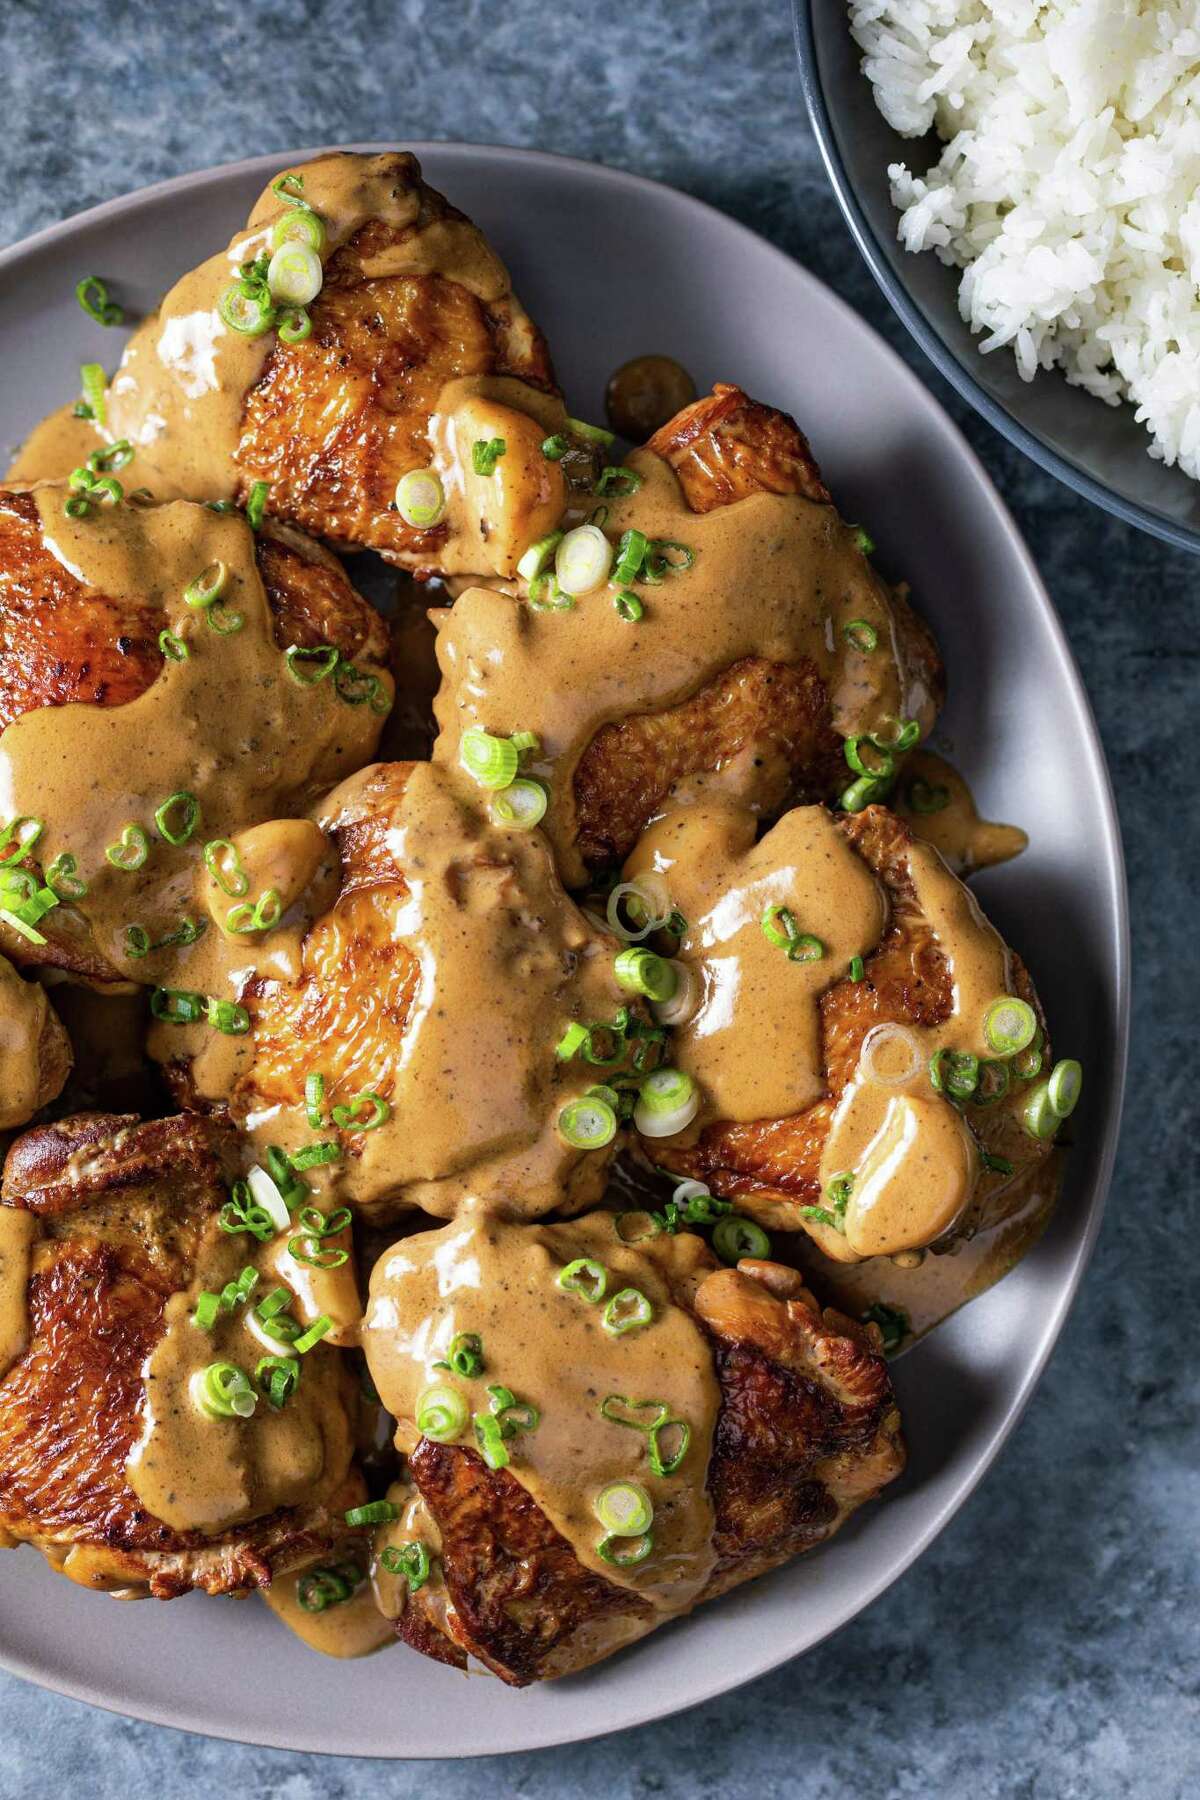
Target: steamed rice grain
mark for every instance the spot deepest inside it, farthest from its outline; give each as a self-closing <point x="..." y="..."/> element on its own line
<point x="1068" y="190"/>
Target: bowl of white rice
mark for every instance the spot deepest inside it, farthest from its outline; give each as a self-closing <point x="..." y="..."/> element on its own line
<point x="1023" y="179"/>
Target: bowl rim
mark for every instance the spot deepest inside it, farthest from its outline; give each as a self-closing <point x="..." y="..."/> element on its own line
<point x="1112" y="876"/>
<point x="946" y="361"/>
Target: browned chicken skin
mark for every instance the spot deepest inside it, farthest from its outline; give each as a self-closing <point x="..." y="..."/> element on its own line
<point x="62" y="641"/>
<point x="121" y="1208"/>
<point x="770" y="1167"/>
<point x="724" y="448"/>
<point x="807" y="1430"/>
<point x="334" y="422"/>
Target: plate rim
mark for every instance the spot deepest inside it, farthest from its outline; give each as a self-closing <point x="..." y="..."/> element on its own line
<point x="930" y="339"/>
<point x="1114" y="882"/>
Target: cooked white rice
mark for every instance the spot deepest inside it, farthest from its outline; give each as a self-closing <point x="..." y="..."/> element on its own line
<point x="1068" y="191"/>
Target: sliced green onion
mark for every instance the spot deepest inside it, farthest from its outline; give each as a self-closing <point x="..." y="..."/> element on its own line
<point x="666" y="557"/>
<point x="646" y="897"/>
<point x="521" y="805"/>
<point x="628" y="606"/>
<point x="868" y="759"/>
<point x="624" y="1508"/>
<point x="315" y="1156"/>
<point x="994" y="1082"/>
<point x="111" y="456"/>
<point x="20" y="926"/>
<point x="572" y="1039"/>
<point x="863" y="539"/>
<point x="18" y="839"/>
<point x="177" y="1006"/>
<point x="513" y="1415"/>
<point x="272" y="1305"/>
<point x="240" y="1214"/>
<point x="860" y="634"/>
<point x="131" y="850"/>
<point x="667" y="1444"/>
<point x="223" y="620"/>
<point x="295" y="274"/>
<point x="668" y="1100"/>
<point x="628" y="1310"/>
<point x="295" y="325"/>
<point x="314" y="1100"/>
<point x="779" y="926"/>
<point x="208" y="586"/>
<point x="623" y="1553"/>
<point x="492" y="761"/>
<point x="95" y="388"/>
<point x="264" y="915"/>
<point x="420" y="499"/>
<point x="863" y="792"/>
<point x="410" y="1560"/>
<point x="176" y="819"/>
<point x="904" y="737"/>
<point x="373" y="1512"/>
<point x="735" y="1237"/>
<point x="489" y="1439"/>
<point x="954" y="1072"/>
<point x="1064" y="1087"/>
<point x="858" y="968"/>
<point x="486" y="453"/>
<point x="62" y="877"/>
<point x="616" y="1409"/>
<point x="250" y="314"/>
<point x="256" y="505"/>
<point x="290" y="188"/>
<point x="590" y="434"/>
<point x="173" y="647"/>
<point x="208" y="1310"/>
<point x="631" y="554"/>
<point x="300" y="225"/>
<point x="582" y="560"/>
<point x="265" y="1194"/>
<point x="926" y="797"/>
<point x="641" y="971"/>
<point x="308" y="666"/>
<point x="277" y="1377"/>
<point x="999" y="1165"/>
<point x="585" y="1277"/>
<point x="545" y="595"/>
<point x="442" y="1412"/>
<point x="224" y="864"/>
<point x="618" y="482"/>
<point x="587" y="1123"/>
<point x="539" y="556"/>
<point x="322" y="1588"/>
<point x="555" y="448"/>
<point x="316" y="1331"/>
<point x="346" y="1117"/>
<point x="465" y="1356"/>
<point x="227" y="1017"/>
<point x="223" y="1391"/>
<point x="92" y="295"/>
<point x="1009" y="1025"/>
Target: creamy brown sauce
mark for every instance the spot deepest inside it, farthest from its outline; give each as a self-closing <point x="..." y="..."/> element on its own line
<point x="348" y="1628"/>
<point x="754" y="1042"/>
<point x="797" y="578"/>
<point x="935" y="1285"/>
<point x="644" y="393"/>
<point x="549" y="1347"/>
<point x="179" y="393"/>
<point x="937" y="805"/>
<point x="198" y="1473"/>
<point x="24" y="1010"/>
<point x="18" y="1231"/>
<point x="91" y="772"/>
<point x="507" y="961"/>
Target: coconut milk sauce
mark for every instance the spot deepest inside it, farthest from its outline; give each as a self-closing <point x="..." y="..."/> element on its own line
<point x="774" y="576"/>
<point x="498" y="1280"/>
<point x="913" y="1159"/>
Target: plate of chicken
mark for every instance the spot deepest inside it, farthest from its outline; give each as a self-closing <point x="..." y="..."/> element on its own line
<point x="527" y="1047"/>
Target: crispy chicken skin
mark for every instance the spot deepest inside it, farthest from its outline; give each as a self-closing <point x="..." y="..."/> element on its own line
<point x="771" y="1166"/>
<point x="334" y="422"/>
<point x="773" y="716"/>
<point x="62" y="641"/>
<point x="808" y="1429"/>
<point x="121" y="1206"/>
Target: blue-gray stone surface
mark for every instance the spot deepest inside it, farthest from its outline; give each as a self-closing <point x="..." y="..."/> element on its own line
<point x="1048" y="1645"/>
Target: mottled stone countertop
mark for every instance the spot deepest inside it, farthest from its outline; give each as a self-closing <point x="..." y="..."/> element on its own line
<point x="1048" y="1645"/>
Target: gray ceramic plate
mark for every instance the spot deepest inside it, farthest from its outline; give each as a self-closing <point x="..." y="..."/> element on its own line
<point x="1098" y="450"/>
<point x="730" y="307"/>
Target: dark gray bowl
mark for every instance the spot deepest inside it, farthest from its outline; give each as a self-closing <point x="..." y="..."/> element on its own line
<point x="1098" y="450"/>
